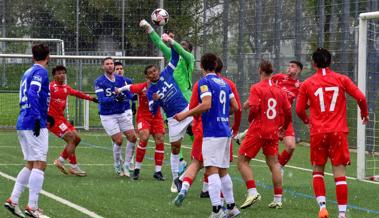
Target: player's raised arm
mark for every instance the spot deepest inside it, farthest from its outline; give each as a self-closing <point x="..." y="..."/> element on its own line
<point x="354" y="91"/>
<point x="156" y="39"/>
<point x="301" y="104"/>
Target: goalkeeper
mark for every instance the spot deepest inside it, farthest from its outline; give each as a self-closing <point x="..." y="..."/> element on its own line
<point x="183" y="71"/>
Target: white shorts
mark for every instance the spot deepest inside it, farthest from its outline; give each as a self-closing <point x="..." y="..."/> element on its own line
<point x="216" y="151"/>
<point x="34" y="148"/>
<point x="176" y="129"/>
<point x="116" y="123"/>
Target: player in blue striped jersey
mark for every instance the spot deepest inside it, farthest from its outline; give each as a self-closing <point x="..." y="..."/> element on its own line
<point x="163" y="91"/>
<point x="32" y="132"/>
<point x="113" y="115"/>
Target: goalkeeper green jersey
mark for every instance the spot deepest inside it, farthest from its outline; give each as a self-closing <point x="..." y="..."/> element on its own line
<point x="184" y="69"/>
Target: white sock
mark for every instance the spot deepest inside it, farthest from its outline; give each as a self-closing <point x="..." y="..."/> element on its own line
<point x="174" y="159"/>
<point x="129" y="151"/>
<point x="227" y="189"/>
<point x="214" y="183"/>
<point x="185" y="186"/>
<point x="158" y="168"/>
<point x="278" y="198"/>
<point x="21" y="181"/>
<point x="35" y="186"/>
<point x="252" y="191"/>
<point x="138" y="165"/>
<point x="321" y="200"/>
<point x="74" y="166"/>
<point x="205" y="187"/>
<point x="61" y="159"/>
<point x="116" y="153"/>
<point x="342" y="208"/>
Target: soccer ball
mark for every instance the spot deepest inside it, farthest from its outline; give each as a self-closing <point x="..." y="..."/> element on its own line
<point x="160" y="17"/>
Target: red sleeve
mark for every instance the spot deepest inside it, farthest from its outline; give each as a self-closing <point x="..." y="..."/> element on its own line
<point x="138" y="88"/>
<point x="354" y="91"/>
<point x="194" y="101"/>
<point x="287" y="111"/>
<point x="254" y="103"/>
<point x="78" y="94"/>
<point x="238" y="113"/>
<point x="301" y="104"/>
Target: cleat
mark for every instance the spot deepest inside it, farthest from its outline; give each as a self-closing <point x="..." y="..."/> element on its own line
<point x="135" y="175"/>
<point x="158" y="176"/>
<point x="220" y="214"/>
<point x="131" y="166"/>
<point x="36" y="213"/>
<point x="233" y="212"/>
<point x="60" y="166"/>
<point x="275" y="205"/>
<point x="204" y="194"/>
<point x="180" y="198"/>
<point x="77" y="172"/>
<point x="182" y="167"/>
<point x="323" y="213"/>
<point x="342" y="215"/>
<point x="173" y="188"/>
<point x="13" y="208"/>
<point x="178" y="184"/>
<point x="127" y="170"/>
<point x="250" y="200"/>
<point x="119" y="170"/>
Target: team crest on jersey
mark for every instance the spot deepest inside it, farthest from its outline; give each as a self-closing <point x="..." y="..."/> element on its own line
<point x="161" y="78"/>
<point x="37" y="78"/>
<point x="204" y="88"/>
<point x="297" y="84"/>
<point x="65" y="90"/>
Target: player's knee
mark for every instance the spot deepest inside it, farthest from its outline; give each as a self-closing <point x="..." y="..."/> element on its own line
<point x="175" y="149"/>
<point x="159" y="139"/>
<point x="77" y="140"/>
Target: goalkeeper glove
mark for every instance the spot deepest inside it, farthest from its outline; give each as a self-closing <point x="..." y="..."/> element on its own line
<point x="143" y="23"/>
<point x="166" y="38"/>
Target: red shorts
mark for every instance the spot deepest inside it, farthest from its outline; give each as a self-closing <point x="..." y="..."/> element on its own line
<point x="196" y="152"/>
<point x="61" y="126"/>
<point x="154" y="125"/>
<point x="330" y="145"/>
<point x="253" y="143"/>
<point x="289" y="131"/>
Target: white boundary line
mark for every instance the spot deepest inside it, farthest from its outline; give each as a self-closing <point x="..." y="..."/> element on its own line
<point x="59" y="199"/>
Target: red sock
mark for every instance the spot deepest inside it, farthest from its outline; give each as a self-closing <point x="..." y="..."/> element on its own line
<point x="205" y="178"/>
<point x="72" y="159"/>
<point x="159" y="154"/>
<point x="250" y="184"/>
<point x="141" y="150"/>
<point x="278" y="191"/>
<point x="187" y="179"/>
<point x="341" y="190"/>
<point x="284" y="157"/>
<point x="64" y="154"/>
<point x="319" y="186"/>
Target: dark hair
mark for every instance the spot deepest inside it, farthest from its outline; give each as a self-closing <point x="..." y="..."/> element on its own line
<point x="148" y="67"/>
<point x="40" y="52"/>
<point x="107" y="58"/>
<point x="209" y="61"/>
<point x="266" y="66"/>
<point x="117" y="63"/>
<point x="322" y="58"/>
<point x="59" y="68"/>
<point x="298" y="63"/>
<point x="220" y="65"/>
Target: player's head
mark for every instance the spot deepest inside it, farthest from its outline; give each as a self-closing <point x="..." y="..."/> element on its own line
<point x="208" y="62"/>
<point x="108" y="65"/>
<point x="118" y="68"/>
<point x="40" y="53"/>
<point x="265" y="67"/>
<point x="187" y="45"/>
<point x="294" y="68"/>
<point x="171" y="34"/>
<point x="152" y="73"/>
<point x="220" y="65"/>
<point x="59" y="73"/>
<point x="321" y="58"/>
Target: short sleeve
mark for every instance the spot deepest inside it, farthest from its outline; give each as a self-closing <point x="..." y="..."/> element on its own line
<point x="204" y="89"/>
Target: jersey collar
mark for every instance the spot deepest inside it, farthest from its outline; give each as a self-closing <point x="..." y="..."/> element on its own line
<point x="323" y="71"/>
<point x="211" y="74"/>
<point x="114" y="76"/>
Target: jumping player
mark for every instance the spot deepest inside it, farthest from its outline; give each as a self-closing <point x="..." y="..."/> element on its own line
<point x="58" y="123"/>
<point x="326" y="92"/>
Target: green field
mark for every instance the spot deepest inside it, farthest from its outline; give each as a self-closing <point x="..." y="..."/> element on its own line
<point x="111" y="196"/>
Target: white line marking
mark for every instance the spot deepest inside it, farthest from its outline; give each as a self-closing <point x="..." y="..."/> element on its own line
<point x="59" y="147"/>
<point x="59" y="199"/>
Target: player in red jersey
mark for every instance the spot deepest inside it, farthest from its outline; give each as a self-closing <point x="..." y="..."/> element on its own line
<point x="290" y="84"/>
<point x="58" y="123"/>
<point x="270" y="115"/>
<point x="146" y="124"/>
<point x="325" y="91"/>
<point x="197" y="129"/>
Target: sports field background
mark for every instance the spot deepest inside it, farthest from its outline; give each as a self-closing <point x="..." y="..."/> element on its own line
<point x="110" y="196"/>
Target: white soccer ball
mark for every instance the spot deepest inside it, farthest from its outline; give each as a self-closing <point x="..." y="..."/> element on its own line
<point x="160" y="17"/>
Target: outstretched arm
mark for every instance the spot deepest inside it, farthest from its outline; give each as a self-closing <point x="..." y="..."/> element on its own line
<point x="79" y="94"/>
<point x="156" y="39"/>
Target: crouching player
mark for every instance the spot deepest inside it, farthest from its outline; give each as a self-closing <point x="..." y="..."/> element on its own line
<point x="216" y="101"/>
<point x="268" y="108"/>
<point x="58" y="123"/>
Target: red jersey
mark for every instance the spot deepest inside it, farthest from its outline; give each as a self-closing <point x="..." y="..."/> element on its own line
<point x="289" y="85"/>
<point x="58" y="98"/>
<point x="194" y="101"/>
<point x="143" y="103"/>
<point x="325" y="90"/>
<point x="270" y="109"/>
